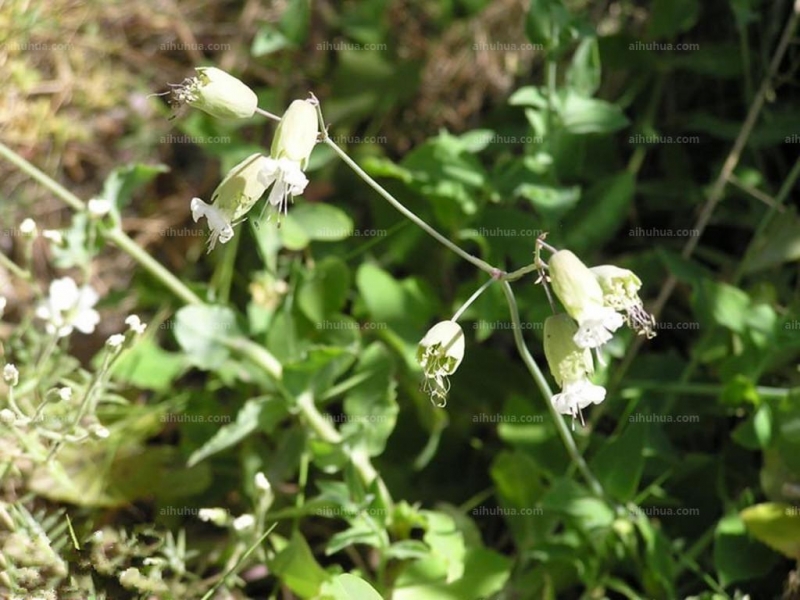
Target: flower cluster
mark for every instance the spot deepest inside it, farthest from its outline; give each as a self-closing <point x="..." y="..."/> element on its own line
<point x="223" y="96"/>
<point x="598" y="301"/>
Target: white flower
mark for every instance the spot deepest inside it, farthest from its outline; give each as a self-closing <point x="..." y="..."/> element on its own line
<point x="233" y="198"/>
<point x="28" y="227"/>
<point x="115" y="341"/>
<point x="98" y="207"/>
<point x="245" y="521"/>
<point x="7" y="416"/>
<point x="64" y="393"/>
<point x="580" y="293"/>
<point x="69" y="307"/>
<point x="571" y="366"/>
<point x="3" y="304"/>
<point x="217" y="516"/>
<point x="10" y="375"/>
<point x="135" y="324"/>
<point x="439" y="354"/>
<point x="294" y="140"/>
<point x="99" y="432"/>
<point x="262" y="483"/>
<point x="54" y="236"/>
<point x="217" y="93"/>
<point x="621" y="292"/>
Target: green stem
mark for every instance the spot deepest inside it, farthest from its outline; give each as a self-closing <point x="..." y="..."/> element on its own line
<point x="481" y="264"/>
<point x="541" y="382"/>
<point x="471" y="299"/>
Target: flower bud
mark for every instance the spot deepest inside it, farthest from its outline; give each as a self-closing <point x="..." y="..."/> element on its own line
<point x="621" y="292"/>
<point x="28" y="227"/>
<point x="439" y="354"/>
<point x="296" y="135"/>
<point x="10" y="375"/>
<point x="217" y="516"/>
<point x="579" y="291"/>
<point x="217" y="93"/>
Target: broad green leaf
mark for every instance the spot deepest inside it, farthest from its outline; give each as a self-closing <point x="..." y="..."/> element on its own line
<point x="778" y="244"/>
<point x="575" y="502"/>
<point x="383" y="295"/>
<point x="621" y="480"/>
<point x="581" y="115"/>
<point x="268" y="40"/>
<point x="297" y="568"/>
<point x="776" y="525"/>
<point x="545" y="23"/>
<point x="737" y="557"/>
<point x="123" y="181"/>
<point x="202" y="330"/>
<point x="756" y="432"/>
<point x="348" y="587"/>
<point x="324" y="289"/>
<point x="668" y="18"/>
<point x="583" y="75"/>
<point x="147" y="366"/>
<point x="295" y="19"/>
<point x="725" y="304"/>
<point x="322" y="222"/>
<point x="446" y="543"/>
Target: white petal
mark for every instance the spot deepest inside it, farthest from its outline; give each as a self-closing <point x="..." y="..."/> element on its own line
<point x="86" y="320"/>
<point x="64" y="294"/>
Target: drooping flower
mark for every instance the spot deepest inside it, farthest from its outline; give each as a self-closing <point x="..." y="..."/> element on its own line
<point x="217" y="93"/>
<point x="294" y="140"/>
<point x="580" y="293"/>
<point x="233" y="198"/>
<point x="69" y="307"/>
<point x="135" y="324"/>
<point x="245" y="521"/>
<point x="439" y="354"/>
<point x="621" y="292"/>
<point x="571" y="367"/>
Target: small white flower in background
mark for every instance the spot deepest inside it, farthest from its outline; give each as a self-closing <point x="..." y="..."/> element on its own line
<point x="54" y="236"/>
<point x="64" y="394"/>
<point x="135" y="324"/>
<point x="439" y="354"/>
<point x="217" y="93"/>
<point x="69" y="307"/>
<point x="28" y="227"/>
<point x="217" y="516"/>
<point x="10" y="375"/>
<point x="98" y="207"/>
<point x="115" y="341"/>
<point x="621" y="292"/>
<point x="3" y="304"/>
<point x="262" y="483"/>
<point x="245" y="521"/>
<point x="99" y="432"/>
<point x="580" y="293"/>
<point x="570" y="366"/>
<point x="233" y="198"/>
<point x="7" y="416"/>
<point x="294" y="140"/>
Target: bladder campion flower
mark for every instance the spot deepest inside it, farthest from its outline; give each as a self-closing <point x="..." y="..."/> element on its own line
<point x="621" y="292"/>
<point x="439" y="354"/>
<point x="580" y="293"/>
<point x="217" y="93"/>
<point x="69" y="307"/>
<point x="233" y="198"/>
<point x="571" y="366"/>
<point x="294" y="140"/>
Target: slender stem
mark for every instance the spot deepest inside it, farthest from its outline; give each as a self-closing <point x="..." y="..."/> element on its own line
<point x="471" y="299"/>
<point x="268" y="114"/>
<point x="481" y="264"/>
<point x="14" y="268"/>
<point x="541" y="382"/>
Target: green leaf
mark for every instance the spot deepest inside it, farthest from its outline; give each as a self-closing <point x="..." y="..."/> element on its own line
<point x="778" y="244"/>
<point x="268" y="40"/>
<point x="384" y="297"/>
<point x="349" y="587"/>
<point x="446" y="543"/>
<point x="621" y="480"/>
<point x="201" y="331"/>
<point x="297" y="568"/>
<point x="147" y="366"/>
<point x="295" y="19"/>
<point x="583" y="75"/>
<point x="725" y="304"/>
<point x="123" y="181"/>
<point x="736" y="556"/>
<point x="668" y="18"/>
<point x="545" y="22"/>
<point x="776" y="525"/>
<point x="322" y="222"/>
<point x="581" y="115"/>
<point x="323" y="291"/>
<point x="248" y="420"/>
<point x="756" y="432"/>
